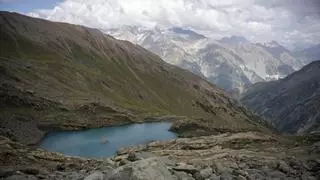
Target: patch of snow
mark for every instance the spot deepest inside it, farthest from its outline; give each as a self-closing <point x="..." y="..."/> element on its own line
<point x="246" y="61"/>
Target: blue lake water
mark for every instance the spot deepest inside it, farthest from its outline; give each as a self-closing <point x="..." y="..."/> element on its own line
<point x="89" y="143"/>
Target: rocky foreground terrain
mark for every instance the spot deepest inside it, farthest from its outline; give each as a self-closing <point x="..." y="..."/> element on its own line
<point x="248" y="155"/>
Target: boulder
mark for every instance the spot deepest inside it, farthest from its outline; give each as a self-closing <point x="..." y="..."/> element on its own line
<point x="205" y="173"/>
<point x="21" y="177"/>
<point x="5" y="172"/>
<point x="123" y="162"/>
<point x="186" y="168"/>
<point x="214" y="177"/>
<point x="132" y="156"/>
<point x="183" y="175"/>
<point x="146" y="169"/>
<point x="119" y="158"/>
<point x="283" y="167"/>
<point x="197" y="176"/>
<point x="95" y="176"/>
<point x="144" y="155"/>
<point x="72" y="176"/>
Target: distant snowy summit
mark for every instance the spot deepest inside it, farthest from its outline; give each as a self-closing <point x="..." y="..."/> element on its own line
<point x="231" y="63"/>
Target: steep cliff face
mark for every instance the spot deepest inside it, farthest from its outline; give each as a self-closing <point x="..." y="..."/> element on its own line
<point x="291" y="104"/>
<point x="56" y="75"/>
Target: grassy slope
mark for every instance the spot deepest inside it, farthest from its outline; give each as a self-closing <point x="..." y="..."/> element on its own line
<point x="80" y="76"/>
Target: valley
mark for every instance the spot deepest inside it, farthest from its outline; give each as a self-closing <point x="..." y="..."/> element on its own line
<point x="70" y="86"/>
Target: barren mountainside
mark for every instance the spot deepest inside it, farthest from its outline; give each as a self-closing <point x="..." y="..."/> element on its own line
<point x="291" y="104"/>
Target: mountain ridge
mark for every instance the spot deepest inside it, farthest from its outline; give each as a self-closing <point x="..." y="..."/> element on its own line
<point x="291" y="104"/>
<point x="203" y="56"/>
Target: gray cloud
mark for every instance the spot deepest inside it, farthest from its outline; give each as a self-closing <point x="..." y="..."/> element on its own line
<point x="287" y="21"/>
<point x="6" y="1"/>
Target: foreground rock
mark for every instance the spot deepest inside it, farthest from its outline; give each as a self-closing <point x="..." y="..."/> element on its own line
<point x="18" y="161"/>
<point x="145" y="169"/>
<point x="248" y="155"/>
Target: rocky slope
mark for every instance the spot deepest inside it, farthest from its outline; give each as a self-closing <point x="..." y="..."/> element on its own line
<point x="249" y="155"/>
<point x="231" y="63"/>
<point x="291" y="104"/>
<point x="63" y="76"/>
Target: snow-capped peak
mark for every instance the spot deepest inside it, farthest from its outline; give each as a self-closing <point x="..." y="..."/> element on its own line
<point x="231" y="62"/>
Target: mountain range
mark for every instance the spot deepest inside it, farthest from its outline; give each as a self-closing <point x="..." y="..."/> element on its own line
<point x="57" y="77"/>
<point x="63" y="76"/>
<point x="232" y="63"/>
<point x="290" y="104"/>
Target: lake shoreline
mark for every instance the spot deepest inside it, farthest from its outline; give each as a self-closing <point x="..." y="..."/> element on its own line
<point x="50" y="128"/>
<point x="88" y="143"/>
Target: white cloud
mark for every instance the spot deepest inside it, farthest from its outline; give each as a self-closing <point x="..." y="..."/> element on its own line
<point x="287" y="21"/>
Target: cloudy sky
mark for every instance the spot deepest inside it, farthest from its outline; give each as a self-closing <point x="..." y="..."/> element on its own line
<point x="290" y="22"/>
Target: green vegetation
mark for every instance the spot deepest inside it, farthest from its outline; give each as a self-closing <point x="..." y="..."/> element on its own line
<point x="84" y="75"/>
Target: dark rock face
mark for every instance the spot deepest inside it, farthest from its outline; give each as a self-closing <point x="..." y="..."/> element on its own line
<point x="291" y="104"/>
<point x="285" y="70"/>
